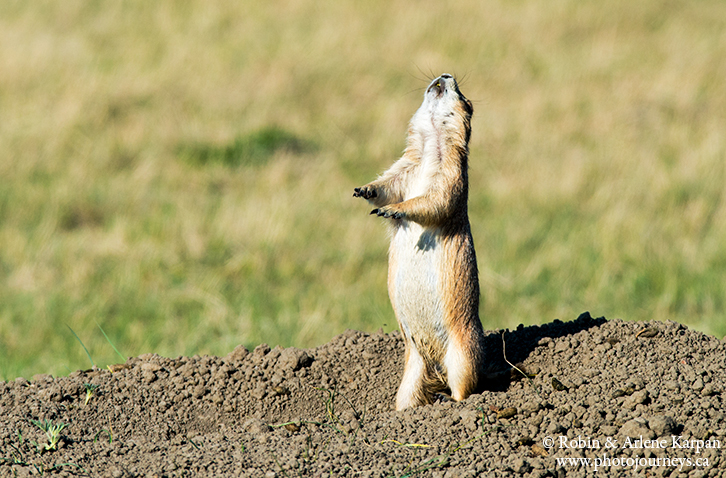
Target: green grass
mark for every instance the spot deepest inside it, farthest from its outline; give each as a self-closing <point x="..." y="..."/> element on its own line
<point x="52" y="432"/>
<point x="181" y="175"/>
<point x="256" y="148"/>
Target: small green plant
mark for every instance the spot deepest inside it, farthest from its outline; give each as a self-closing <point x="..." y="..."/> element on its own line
<point x="16" y="453"/>
<point x="52" y="432"/>
<point x="107" y="432"/>
<point x="90" y="391"/>
<point x="274" y="457"/>
<point x="93" y="364"/>
<point x="81" y="342"/>
<point x="123" y="359"/>
<point x="193" y="444"/>
<point x="439" y="461"/>
<point x="333" y="416"/>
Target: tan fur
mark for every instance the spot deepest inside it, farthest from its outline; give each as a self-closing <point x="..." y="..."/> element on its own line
<point x="432" y="273"/>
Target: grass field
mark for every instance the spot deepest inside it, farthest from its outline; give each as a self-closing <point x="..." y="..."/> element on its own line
<point x="181" y="173"/>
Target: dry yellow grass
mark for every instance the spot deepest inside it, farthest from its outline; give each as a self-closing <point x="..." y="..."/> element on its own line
<point x="598" y="166"/>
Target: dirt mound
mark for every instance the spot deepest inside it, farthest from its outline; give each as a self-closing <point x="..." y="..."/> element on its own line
<point x="643" y="397"/>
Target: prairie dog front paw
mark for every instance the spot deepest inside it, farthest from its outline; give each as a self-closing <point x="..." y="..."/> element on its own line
<point x="365" y="192"/>
<point x="389" y="212"/>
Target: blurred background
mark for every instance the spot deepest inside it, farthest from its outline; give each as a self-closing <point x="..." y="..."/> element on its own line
<point x="181" y="173"/>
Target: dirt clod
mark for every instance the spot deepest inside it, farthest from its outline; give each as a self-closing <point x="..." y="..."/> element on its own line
<point x="662" y="425"/>
<point x="329" y="411"/>
<point x="507" y="412"/>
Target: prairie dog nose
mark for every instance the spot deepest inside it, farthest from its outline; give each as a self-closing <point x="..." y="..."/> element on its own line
<point x="439" y="85"/>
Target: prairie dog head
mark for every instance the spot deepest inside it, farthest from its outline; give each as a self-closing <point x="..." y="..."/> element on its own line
<point x="445" y="109"/>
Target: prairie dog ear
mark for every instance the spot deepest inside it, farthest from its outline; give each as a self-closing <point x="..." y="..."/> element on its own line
<point x="468" y="107"/>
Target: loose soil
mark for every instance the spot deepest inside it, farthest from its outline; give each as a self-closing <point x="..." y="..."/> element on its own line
<point x="594" y="387"/>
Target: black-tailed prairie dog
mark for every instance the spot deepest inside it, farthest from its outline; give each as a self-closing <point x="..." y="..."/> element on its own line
<point x="432" y="272"/>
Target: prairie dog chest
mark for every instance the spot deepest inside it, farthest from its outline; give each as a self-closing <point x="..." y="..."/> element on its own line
<point x="426" y="142"/>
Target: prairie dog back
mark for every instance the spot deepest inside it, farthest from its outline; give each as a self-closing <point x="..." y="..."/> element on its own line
<point x="432" y="274"/>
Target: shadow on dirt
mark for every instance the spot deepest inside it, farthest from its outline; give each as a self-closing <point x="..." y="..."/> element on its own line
<point x="518" y="344"/>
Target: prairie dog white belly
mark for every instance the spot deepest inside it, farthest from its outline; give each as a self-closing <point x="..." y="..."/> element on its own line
<point x="416" y="282"/>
